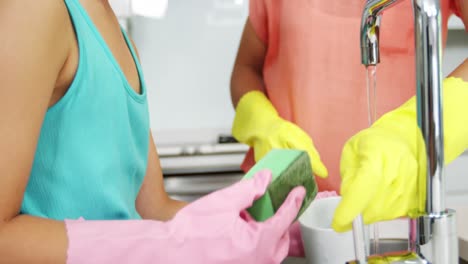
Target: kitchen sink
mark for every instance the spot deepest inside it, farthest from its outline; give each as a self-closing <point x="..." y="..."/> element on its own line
<point x="385" y="245"/>
<point x="393" y="237"/>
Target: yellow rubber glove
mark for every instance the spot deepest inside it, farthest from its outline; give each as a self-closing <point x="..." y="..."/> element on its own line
<point x="258" y="125"/>
<point x="383" y="168"/>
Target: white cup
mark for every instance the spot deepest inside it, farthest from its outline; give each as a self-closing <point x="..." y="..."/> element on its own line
<point x="321" y="243"/>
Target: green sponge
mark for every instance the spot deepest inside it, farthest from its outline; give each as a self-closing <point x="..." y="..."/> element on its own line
<point x="289" y="168"/>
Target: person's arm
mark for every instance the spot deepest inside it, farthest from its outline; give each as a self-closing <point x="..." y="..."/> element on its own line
<point x="462" y="11"/>
<point x="461" y="71"/>
<point x="257" y="123"/>
<point x="247" y="74"/>
<point x="390" y="150"/>
<point x="33" y="48"/>
<point x="461" y="7"/>
<point x="152" y="201"/>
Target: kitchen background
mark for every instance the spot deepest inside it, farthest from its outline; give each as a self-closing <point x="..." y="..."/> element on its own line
<point x="187" y="54"/>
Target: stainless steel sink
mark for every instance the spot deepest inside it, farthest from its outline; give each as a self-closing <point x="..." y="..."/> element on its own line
<point x="385" y="246"/>
<point x="394" y="245"/>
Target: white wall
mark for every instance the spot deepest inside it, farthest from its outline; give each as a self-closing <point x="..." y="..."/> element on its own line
<point x="457" y="182"/>
<point x="188" y="57"/>
<point x="456" y="50"/>
<point x="457" y="172"/>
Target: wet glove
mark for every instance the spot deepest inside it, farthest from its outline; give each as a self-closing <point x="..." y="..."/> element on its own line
<point x="258" y="125"/>
<point x="383" y="168"/>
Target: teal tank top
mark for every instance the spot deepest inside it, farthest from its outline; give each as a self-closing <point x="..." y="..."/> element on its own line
<point x="92" y="152"/>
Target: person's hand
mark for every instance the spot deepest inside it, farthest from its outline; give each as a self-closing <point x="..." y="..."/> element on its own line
<point x="220" y="222"/>
<point x="215" y="229"/>
<point x="383" y="176"/>
<point x="383" y="168"/>
<point x="258" y="125"/>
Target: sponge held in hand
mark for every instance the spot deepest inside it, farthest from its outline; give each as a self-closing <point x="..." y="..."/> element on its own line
<point x="289" y="169"/>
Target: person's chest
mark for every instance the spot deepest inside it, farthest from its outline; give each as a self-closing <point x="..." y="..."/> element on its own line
<point x="314" y="52"/>
<point x="108" y="27"/>
<point x="299" y="24"/>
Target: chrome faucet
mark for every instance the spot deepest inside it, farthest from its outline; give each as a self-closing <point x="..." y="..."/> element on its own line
<point x="432" y="237"/>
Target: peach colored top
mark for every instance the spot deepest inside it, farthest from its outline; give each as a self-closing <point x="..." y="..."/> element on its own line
<point x="313" y="72"/>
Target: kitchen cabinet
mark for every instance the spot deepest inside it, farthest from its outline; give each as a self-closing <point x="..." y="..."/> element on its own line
<point x="191" y="187"/>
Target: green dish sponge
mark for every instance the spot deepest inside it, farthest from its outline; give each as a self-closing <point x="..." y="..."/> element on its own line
<point x="289" y="168"/>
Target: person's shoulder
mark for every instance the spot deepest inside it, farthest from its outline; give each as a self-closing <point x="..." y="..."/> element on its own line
<point x="33" y="15"/>
<point x="25" y="8"/>
<point x="42" y="25"/>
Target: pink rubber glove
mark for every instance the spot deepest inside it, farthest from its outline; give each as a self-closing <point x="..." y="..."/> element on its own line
<point x="296" y="248"/>
<point x="215" y="229"/>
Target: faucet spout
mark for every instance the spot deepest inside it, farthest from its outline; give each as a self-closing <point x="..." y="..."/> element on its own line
<point x="370" y="26"/>
<point x="436" y="228"/>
